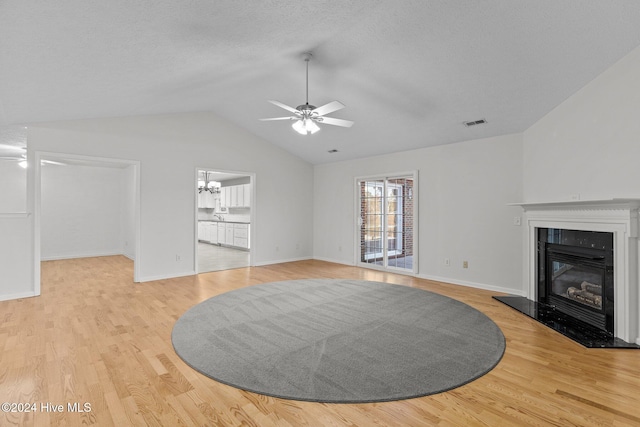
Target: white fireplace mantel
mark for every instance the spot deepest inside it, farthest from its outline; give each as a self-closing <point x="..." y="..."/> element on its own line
<point x="617" y="216"/>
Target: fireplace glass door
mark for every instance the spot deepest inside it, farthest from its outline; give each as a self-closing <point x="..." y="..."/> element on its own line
<point x="577" y="283"/>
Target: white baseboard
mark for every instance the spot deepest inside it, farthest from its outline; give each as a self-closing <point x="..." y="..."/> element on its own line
<point x="166" y="276"/>
<point x="469" y="284"/>
<point x="18" y="296"/>
<point x="282" y="261"/>
<point x="335" y="261"/>
<point x="74" y="256"/>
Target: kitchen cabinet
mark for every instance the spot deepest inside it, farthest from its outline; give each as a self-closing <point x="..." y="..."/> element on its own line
<point x="233" y="196"/>
<point x="206" y="200"/>
<point x="241" y="235"/>
<point x="213" y="233"/>
<point x="236" y="196"/>
<point x="246" y="190"/>
<point x="229" y="234"/>
<point x="222" y="233"/>
<point x="207" y="232"/>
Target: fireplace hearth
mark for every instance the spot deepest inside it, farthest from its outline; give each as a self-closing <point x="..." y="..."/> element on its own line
<point x="577" y="330"/>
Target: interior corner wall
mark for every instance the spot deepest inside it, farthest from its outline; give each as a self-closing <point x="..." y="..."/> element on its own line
<point x="464" y="190"/>
<point x="170" y="148"/>
<point x="81" y="211"/>
<point x="588" y="146"/>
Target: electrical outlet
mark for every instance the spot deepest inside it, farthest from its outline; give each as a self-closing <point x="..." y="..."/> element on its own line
<point x="177" y="258"/>
<point x="465" y="264"/>
<point x="574" y="197"/>
<point x="447" y="262"/>
<point x="517" y="220"/>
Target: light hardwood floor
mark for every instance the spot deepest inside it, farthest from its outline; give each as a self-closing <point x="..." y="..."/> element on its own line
<point x="94" y="336"/>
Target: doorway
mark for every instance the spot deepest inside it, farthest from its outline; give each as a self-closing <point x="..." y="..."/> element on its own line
<point x="224" y="219"/>
<point x="73" y="226"/>
<point x="387" y="222"/>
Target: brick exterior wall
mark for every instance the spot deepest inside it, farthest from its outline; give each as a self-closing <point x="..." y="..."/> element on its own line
<point x="407" y="225"/>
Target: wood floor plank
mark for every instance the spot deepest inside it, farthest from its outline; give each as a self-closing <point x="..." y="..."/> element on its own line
<point x="95" y="336"/>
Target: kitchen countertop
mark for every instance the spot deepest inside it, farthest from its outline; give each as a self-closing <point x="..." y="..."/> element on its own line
<point x="228" y="222"/>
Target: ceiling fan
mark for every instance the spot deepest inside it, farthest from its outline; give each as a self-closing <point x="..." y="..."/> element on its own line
<point x="306" y="116"/>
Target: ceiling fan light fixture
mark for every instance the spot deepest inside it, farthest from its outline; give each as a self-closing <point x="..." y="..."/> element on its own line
<point x="305" y="126"/>
<point x="299" y="127"/>
<point x="311" y="126"/>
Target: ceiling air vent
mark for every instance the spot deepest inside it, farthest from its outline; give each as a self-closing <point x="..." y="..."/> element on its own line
<point x="475" y="122"/>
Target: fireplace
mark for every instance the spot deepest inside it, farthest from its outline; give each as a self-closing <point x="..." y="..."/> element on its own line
<point x="581" y="261"/>
<point x="575" y="275"/>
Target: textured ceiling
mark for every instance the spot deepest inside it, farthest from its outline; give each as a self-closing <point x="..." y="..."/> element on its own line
<point x="409" y="72"/>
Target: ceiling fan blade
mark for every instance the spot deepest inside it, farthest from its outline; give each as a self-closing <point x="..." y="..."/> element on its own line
<point x="280" y="118"/>
<point x="286" y="107"/>
<point x="335" y="122"/>
<point x="329" y="108"/>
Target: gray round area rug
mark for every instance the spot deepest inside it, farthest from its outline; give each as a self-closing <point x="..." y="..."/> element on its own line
<point x="338" y="340"/>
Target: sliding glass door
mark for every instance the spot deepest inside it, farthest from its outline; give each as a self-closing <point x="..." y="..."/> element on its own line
<point x="386" y="222"/>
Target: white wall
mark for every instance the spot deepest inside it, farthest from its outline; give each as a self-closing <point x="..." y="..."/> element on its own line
<point x="15" y="233"/>
<point x="464" y="190"/>
<point x="15" y="256"/>
<point x="590" y="144"/>
<point x="128" y="213"/>
<point x="82" y="211"/>
<point x="13" y="187"/>
<point x="170" y="148"/>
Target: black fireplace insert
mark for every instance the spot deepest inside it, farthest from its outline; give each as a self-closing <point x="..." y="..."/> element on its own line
<point x="575" y="275"/>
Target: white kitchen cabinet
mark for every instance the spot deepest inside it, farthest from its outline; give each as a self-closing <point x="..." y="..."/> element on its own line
<point x="241" y="235"/>
<point x="213" y="233"/>
<point x="207" y="232"/>
<point x="229" y="234"/>
<point x="236" y="196"/>
<point x="222" y="234"/>
<point x="246" y="191"/>
<point x="233" y="190"/>
<point x="225" y="197"/>
<point x="239" y="196"/>
<point x="206" y="200"/>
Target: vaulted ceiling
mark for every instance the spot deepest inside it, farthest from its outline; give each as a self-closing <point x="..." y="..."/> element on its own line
<point x="409" y="72"/>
